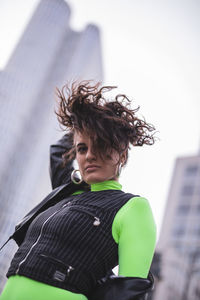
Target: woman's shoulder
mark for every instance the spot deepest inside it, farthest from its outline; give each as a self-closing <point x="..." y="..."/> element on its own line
<point x="136" y="209"/>
<point x="137" y="204"/>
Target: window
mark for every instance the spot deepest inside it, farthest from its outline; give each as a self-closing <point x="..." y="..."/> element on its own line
<point x="179" y="231"/>
<point x="183" y="209"/>
<point x="197" y="209"/>
<point x="191" y="170"/>
<point x="187" y="190"/>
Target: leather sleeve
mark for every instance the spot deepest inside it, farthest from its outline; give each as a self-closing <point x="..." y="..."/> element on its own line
<point x="126" y="288"/>
<point x="60" y="175"/>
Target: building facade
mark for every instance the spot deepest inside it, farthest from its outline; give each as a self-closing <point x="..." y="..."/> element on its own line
<point x="48" y="55"/>
<point x="179" y="242"/>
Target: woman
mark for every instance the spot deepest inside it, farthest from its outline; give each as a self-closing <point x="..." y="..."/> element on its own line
<point x="70" y="242"/>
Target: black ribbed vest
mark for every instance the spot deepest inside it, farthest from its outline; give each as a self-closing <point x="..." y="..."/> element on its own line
<point x="70" y="245"/>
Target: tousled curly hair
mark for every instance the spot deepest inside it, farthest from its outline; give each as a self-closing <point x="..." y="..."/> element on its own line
<point x="111" y="124"/>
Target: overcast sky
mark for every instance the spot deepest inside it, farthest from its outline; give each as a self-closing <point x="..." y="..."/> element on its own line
<point x="151" y="52"/>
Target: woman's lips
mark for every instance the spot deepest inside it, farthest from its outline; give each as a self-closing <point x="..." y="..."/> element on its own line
<point x="91" y="168"/>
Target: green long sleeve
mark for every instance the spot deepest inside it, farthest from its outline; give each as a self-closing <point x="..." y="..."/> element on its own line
<point x="134" y="230"/>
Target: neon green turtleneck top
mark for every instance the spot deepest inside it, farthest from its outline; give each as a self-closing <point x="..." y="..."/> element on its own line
<point x="134" y="231"/>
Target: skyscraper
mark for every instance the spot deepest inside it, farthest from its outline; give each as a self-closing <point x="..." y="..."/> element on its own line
<point x="48" y="55"/>
<point x="179" y="241"/>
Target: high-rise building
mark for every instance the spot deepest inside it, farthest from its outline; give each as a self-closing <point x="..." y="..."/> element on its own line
<point x="48" y="55"/>
<point x="179" y="241"/>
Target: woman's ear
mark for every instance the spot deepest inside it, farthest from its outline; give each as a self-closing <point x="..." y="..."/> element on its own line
<point x="124" y="157"/>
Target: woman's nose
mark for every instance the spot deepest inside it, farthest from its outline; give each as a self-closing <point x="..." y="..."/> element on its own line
<point x="90" y="155"/>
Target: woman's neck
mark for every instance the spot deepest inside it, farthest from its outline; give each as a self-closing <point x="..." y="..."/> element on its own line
<point x="102" y="186"/>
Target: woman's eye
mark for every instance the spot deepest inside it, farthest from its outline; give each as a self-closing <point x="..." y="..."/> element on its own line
<point x="82" y="149"/>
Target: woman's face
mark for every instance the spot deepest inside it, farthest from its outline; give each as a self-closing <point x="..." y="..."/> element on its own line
<point x="92" y="168"/>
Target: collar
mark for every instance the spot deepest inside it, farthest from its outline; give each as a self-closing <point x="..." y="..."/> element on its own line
<point x="102" y="186"/>
<point x="106" y="185"/>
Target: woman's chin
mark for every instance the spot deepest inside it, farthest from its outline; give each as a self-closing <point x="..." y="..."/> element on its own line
<point x="94" y="179"/>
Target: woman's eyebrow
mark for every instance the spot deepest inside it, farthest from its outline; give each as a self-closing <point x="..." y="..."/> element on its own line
<point x="80" y="144"/>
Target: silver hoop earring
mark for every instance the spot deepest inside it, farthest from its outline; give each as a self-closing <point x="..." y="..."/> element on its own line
<point x="74" y="179"/>
<point x="119" y="170"/>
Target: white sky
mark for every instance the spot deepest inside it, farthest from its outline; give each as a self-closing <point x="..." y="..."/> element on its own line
<point x="151" y="52"/>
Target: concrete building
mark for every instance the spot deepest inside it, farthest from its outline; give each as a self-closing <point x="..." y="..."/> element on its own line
<point x="179" y="241"/>
<point x="48" y="55"/>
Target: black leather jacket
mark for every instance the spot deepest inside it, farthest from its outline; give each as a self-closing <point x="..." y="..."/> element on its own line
<point x="110" y="287"/>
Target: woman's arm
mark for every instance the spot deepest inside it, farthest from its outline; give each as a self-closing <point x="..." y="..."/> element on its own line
<point x="134" y="230"/>
<point x="60" y="175"/>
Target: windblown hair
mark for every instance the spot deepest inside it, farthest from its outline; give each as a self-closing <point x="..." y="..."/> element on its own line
<point x="111" y="124"/>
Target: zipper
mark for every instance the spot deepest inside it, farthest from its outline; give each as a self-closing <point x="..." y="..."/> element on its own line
<point x="76" y="207"/>
<point x="79" y="208"/>
<point x="40" y="235"/>
<point x="58" y="261"/>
